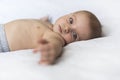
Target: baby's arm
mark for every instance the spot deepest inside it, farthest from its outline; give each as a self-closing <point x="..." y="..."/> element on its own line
<point x="50" y="50"/>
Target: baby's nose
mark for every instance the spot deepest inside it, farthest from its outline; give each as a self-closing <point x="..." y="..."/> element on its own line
<point x="67" y="29"/>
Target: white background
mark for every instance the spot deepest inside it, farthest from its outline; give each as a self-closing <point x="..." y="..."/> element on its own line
<point x="96" y="59"/>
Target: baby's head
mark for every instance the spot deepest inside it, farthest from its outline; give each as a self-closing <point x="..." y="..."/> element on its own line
<point x="77" y="26"/>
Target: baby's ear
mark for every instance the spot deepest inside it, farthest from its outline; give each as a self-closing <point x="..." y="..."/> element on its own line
<point x="45" y="18"/>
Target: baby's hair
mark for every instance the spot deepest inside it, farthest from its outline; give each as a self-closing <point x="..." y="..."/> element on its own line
<point x="95" y="24"/>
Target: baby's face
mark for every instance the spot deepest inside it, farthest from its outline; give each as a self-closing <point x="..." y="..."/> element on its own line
<point x="73" y="27"/>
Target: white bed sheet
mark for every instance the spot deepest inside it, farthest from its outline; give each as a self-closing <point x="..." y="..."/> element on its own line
<point x="96" y="59"/>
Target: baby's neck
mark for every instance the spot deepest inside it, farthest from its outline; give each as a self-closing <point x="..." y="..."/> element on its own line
<point x="50" y="25"/>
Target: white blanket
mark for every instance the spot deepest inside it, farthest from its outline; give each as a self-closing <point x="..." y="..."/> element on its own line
<point x="96" y="59"/>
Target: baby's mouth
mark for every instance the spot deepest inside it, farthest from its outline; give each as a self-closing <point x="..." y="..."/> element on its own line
<point x="60" y="29"/>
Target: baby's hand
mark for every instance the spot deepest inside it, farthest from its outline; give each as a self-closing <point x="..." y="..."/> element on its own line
<point x="47" y="51"/>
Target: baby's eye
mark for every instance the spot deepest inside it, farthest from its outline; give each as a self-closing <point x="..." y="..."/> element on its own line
<point x="71" y="20"/>
<point x="74" y="35"/>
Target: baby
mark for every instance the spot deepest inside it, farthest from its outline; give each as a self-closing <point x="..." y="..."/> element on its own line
<point x="48" y="38"/>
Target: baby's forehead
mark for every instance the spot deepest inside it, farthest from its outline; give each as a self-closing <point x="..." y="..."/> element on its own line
<point x="80" y="15"/>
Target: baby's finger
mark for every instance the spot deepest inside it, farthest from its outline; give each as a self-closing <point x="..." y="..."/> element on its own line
<point x="45" y="55"/>
<point x="37" y="49"/>
<point x="44" y="62"/>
